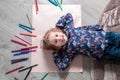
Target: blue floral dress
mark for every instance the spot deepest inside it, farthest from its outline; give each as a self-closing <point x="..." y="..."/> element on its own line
<point x="86" y="40"/>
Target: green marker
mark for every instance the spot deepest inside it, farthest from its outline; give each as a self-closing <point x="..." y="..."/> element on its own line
<point x="29" y="20"/>
<point x="59" y="4"/>
<point x="44" y="76"/>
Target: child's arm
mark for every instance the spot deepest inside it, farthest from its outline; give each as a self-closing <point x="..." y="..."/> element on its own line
<point x="64" y="62"/>
<point x="93" y="27"/>
<point x="65" y="21"/>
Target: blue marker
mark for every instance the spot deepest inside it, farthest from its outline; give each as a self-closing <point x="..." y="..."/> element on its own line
<point x="24" y="52"/>
<point x="25" y="28"/>
<point x="53" y="2"/>
<point x="21" y="53"/>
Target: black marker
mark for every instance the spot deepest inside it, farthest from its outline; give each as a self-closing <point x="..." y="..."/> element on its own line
<point x="27" y="68"/>
<point x="28" y="74"/>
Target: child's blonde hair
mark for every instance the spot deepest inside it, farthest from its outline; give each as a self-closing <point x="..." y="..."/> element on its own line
<point x="45" y="44"/>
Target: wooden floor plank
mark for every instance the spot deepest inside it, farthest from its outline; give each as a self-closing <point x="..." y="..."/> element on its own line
<point x="97" y="70"/>
<point x="117" y="70"/>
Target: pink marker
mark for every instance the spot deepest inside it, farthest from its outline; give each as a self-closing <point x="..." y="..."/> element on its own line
<point x="23" y="39"/>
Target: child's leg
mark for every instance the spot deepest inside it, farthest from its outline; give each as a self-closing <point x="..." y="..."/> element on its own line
<point x="112" y="52"/>
<point x="113" y="38"/>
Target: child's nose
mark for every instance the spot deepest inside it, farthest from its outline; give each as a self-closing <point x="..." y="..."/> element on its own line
<point x="59" y="38"/>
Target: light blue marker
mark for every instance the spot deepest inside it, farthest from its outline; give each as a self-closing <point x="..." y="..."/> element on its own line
<point x="53" y="2"/>
<point x="25" y="28"/>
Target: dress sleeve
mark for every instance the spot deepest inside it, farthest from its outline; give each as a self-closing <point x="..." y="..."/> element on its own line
<point x="93" y="27"/>
<point x="62" y="62"/>
<point x="65" y="22"/>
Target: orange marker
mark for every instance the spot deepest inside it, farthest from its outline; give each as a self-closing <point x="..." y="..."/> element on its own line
<point x="28" y="34"/>
<point x="23" y="44"/>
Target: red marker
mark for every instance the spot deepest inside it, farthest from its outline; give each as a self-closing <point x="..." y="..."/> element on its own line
<point x="30" y="47"/>
<point x="14" y="70"/>
<point x="26" y="48"/>
<point x="23" y="44"/>
<point x="36" y="6"/>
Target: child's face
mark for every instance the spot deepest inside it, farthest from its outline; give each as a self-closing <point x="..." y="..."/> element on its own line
<point x="57" y="38"/>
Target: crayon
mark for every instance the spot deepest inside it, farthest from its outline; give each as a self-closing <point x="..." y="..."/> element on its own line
<point x="18" y="60"/>
<point x="29" y="22"/>
<point x="25" y="28"/>
<point x="59" y="4"/>
<point x="24" y="52"/>
<point x="28" y="74"/>
<point x="53" y="2"/>
<point x="23" y="39"/>
<point x="36" y="6"/>
<point x="30" y="35"/>
<point x="28" y="68"/>
<point x="44" y="76"/>
<point x="23" y="44"/>
<point x="14" y="70"/>
<point x="26" y="48"/>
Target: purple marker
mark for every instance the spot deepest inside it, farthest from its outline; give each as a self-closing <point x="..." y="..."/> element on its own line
<point x="18" y="50"/>
<point x="24" y="52"/>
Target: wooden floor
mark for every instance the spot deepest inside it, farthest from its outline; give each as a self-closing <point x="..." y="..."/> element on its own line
<point x="13" y="12"/>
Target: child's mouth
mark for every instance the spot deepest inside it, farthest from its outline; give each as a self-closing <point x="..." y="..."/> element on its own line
<point x="63" y="39"/>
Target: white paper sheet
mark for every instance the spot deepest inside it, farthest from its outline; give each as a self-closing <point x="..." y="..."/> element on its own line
<point x="46" y="18"/>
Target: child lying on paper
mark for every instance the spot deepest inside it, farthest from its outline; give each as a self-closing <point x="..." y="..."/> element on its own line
<point x="68" y="42"/>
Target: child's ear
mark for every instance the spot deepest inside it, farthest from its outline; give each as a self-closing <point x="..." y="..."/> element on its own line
<point x="41" y="44"/>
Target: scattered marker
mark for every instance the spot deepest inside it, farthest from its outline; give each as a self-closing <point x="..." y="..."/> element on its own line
<point x="14" y="70"/>
<point x="23" y="44"/>
<point x="53" y="2"/>
<point x="25" y="28"/>
<point x="27" y="34"/>
<point x="44" y="76"/>
<point x="28" y="74"/>
<point x="24" y="52"/>
<point x="59" y="4"/>
<point x="18" y="60"/>
<point x="29" y="22"/>
<point x="28" y="68"/>
<point x="36" y="6"/>
<point x="26" y="48"/>
<point x="23" y="39"/>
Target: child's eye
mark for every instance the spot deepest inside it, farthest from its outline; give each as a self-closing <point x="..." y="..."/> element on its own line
<point x="56" y="35"/>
